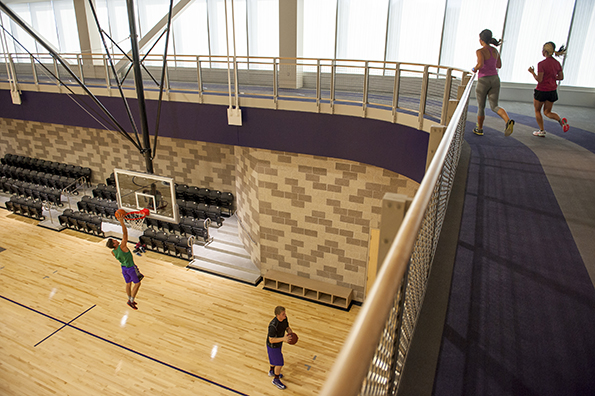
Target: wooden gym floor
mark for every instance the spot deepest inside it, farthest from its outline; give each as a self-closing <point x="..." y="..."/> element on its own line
<point x="66" y="329"/>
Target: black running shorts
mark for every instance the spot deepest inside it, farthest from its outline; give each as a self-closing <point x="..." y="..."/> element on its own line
<point x="542" y="96"/>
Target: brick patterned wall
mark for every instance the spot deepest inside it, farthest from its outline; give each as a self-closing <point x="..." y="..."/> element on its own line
<point x="248" y="202"/>
<point x="316" y="214"/>
<point x="302" y="214"/>
<point x="188" y="162"/>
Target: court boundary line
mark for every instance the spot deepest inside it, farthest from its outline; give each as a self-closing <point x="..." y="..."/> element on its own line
<point x="126" y="348"/>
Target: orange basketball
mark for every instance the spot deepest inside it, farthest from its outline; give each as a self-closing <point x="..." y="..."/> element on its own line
<point x="120" y="213"/>
<point x="293" y="339"/>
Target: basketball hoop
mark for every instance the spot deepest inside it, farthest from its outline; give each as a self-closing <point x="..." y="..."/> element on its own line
<point x="136" y="219"/>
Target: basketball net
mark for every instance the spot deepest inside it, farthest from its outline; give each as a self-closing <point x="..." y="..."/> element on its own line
<point x="136" y="220"/>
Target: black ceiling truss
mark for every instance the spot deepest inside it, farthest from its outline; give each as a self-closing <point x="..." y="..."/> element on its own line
<point x="144" y="147"/>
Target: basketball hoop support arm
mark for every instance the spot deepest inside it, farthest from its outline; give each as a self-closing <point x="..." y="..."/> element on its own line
<point x="140" y="93"/>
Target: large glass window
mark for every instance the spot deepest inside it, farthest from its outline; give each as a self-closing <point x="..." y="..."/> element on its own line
<point x="191" y="30"/>
<point x="113" y="19"/>
<point x="217" y="27"/>
<point x="150" y="13"/>
<point x="464" y="20"/>
<point x="529" y="25"/>
<point x="53" y="20"/>
<point x="66" y="27"/>
<point x="441" y="32"/>
<point x="263" y="27"/>
<point x="22" y="41"/>
<point x="414" y="30"/>
<point x="361" y="29"/>
<point x="578" y="65"/>
<point x="319" y="29"/>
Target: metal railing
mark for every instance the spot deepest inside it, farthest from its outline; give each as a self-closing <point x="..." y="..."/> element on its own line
<point x="372" y="358"/>
<point x="372" y="89"/>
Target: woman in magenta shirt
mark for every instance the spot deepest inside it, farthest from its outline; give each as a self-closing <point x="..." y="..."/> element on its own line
<point x="488" y="84"/>
<point x="549" y="72"/>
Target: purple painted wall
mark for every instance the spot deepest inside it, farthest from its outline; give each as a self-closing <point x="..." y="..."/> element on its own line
<point x="394" y="147"/>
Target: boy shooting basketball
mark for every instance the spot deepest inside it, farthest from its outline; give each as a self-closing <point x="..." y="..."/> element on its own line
<point x="129" y="270"/>
<point x="275" y="338"/>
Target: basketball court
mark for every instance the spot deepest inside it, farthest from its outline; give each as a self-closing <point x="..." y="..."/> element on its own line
<point x="66" y="327"/>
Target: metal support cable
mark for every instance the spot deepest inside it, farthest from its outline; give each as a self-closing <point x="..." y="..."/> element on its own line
<point x="57" y="57"/>
<point x="111" y="63"/>
<point x="72" y="95"/>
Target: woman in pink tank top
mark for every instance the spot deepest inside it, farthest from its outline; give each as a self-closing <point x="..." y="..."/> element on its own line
<point x="488" y="84"/>
<point x="549" y="72"/>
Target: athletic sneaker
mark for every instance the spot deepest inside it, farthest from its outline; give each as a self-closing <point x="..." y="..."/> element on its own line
<point x="131" y="304"/>
<point x="272" y="374"/>
<point x="277" y="382"/>
<point x="539" y="133"/>
<point x="478" y="131"/>
<point x="509" y="128"/>
<point x="564" y="124"/>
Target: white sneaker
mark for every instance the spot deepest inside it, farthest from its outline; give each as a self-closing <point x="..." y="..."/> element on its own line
<point x="539" y="133"/>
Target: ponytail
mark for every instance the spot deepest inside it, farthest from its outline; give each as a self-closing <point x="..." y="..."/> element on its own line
<point x="561" y="51"/>
<point x="486" y="37"/>
<point x="495" y="42"/>
<point x="550" y="49"/>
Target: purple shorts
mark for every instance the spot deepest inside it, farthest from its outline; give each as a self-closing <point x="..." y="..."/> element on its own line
<point x="275" y="356"/>
<point x="130" y="274"/>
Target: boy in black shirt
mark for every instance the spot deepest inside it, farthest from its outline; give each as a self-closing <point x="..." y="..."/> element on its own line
<point x="275" y="338"/>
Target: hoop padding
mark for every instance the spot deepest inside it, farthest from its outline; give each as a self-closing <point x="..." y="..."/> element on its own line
<point x="136" y="220"/>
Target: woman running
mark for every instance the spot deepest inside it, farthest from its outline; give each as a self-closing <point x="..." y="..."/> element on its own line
<point x="488" y="84"/>
<point x="549" y="72"/>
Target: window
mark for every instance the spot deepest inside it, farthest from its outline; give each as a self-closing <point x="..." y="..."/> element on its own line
<point x="578" y="65"/>
<point x="529" y="25"/>
<point x="113" y="19"/>
<point x="263" y="27"/>
<point x="191" y="30"/>
<point x="319" y="28"/>
<point x="52" y="20"/>
<point x="361" y="29"/>
<point x="414" y="35"/>
<point x="463" y="22"/>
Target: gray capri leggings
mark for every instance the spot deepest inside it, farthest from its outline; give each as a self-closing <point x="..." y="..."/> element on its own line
<point x="489" y="87"/>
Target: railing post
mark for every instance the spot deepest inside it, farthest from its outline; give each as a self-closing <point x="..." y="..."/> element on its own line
<point x="436" y="134"/>
<point x="396" y="90"/>
<point x="332" y="93"/>
<point x="199" y="79"/>
<point x="80" y="65"/>
<point x="446" y="96"/>
<point x="318" y="82"/>
<point x="394" y="207"/>
<point x="423" y="97"/>
<point x="107" y="81"/>
<point x="366" y="82"/>
<point x="57" y="73"/>
<point x="275" y="82"/>
<point x="167" y="86"/>
<point x="35" y="78"/>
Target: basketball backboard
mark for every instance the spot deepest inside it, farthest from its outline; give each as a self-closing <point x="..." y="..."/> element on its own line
<point x="137" y="190"/>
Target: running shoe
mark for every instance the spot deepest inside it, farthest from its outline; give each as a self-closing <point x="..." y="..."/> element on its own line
<point x="131" y="304"/>
<point x="478" y="131"/>
<point x="509" y="128"/>
<point x="564" y="124"/>
<point x="277" y="382"/>
<point x="539" y="133"/>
